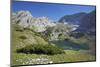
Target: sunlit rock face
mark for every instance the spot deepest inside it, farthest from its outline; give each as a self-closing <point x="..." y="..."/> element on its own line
<point x="41" y="23"/>
<point x="25" y="19"/>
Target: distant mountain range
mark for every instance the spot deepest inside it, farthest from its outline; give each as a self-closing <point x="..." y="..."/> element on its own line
<point x="86" y="21"/>
<point x="72" y="19"/>
<point x="80" y="22"/>
<point x="39" y="24"/>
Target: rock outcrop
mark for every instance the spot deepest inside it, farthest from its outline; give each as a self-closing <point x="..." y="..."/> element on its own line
<point x="25" y="19"/>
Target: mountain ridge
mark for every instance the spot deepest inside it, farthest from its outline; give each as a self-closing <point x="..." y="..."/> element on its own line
<point x="73" y="19"/>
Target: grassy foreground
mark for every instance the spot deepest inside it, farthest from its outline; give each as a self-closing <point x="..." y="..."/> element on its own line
<point x="69" y="56"/>
<point x="22" y="38"/>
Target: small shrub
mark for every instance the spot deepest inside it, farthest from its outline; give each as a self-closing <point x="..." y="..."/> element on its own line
<point x="23" y="37"/>
<point x="19" y="30"/>
<point x="41" y="49"/>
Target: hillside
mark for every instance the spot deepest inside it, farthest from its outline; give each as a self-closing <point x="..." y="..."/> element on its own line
<point x="85" y="21"/>
<point x="26" y="20"/>
<point x="88" y="23"/>
<point x="72" y="19"/>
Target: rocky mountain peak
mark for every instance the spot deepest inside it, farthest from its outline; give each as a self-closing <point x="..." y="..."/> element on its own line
<point x="23" y="13"/>
<point x="25" y="19"/>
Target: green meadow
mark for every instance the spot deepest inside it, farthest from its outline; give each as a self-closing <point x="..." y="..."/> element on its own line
<point x="43" y="51"/>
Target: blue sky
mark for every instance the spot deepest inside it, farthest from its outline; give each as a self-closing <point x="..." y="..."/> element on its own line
<point x="52" y="11"/>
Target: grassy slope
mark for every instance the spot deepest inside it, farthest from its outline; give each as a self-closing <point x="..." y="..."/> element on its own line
<point x="70" y="56"/>
<point x="19" y="59"/>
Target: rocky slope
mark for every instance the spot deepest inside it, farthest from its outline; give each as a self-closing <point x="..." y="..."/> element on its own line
<point x="88" y="23"/>
<point x="25" y="19"/>
<point x="38" y="24"/>
<point x="73" y="19"/>
<point x="85" y="21"/>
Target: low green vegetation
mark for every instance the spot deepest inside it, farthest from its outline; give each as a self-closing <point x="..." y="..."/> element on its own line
<point x="23" y="37"/>
<point x="29" y="47"/>
<point x="68" y="56"/>
<point x="40" y="49"/>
